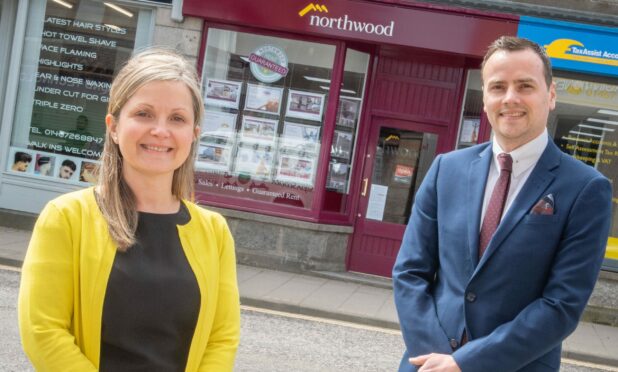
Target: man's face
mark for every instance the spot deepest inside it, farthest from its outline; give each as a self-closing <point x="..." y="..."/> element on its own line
<point x="65" y="172"/>
<point x="21" y="166"/>
<point x="516" y="97"/>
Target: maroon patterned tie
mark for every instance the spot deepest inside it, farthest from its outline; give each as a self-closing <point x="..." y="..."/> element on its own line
<point x="496" y="203"/>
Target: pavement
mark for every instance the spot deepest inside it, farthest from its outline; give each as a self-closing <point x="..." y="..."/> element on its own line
<point x="355" y="298"/>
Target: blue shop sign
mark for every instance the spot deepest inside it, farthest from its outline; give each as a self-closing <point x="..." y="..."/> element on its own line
<point x="574" y="46"/>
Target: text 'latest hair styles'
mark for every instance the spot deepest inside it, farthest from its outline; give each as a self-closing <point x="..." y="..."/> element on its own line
<point x="114" y="196"/>
<point x="515" y="44"/>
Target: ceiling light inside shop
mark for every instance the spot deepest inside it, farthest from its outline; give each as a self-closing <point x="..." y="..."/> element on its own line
<point x="597" y="128"/>
<point x="608" y="112"/>
<point x="64" y="3"/>
<point x="119" y="9"/>
<point x="595" y="120"/>
<point x="319" y="80"/>
<point x="576" y="139"/>
<point x="585" y="134"/>
<point x="341" y="90"/>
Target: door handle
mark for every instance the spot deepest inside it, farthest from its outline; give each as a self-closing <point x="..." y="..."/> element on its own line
<point x="365" y="181"/>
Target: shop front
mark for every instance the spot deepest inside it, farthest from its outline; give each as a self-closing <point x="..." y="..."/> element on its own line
<point x="323" y="118"/>
<point x="63" y="57"/>
<point x="585" y="121"/>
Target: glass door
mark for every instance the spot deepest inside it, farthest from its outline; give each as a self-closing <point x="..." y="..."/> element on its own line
<point x="396" y="161"/>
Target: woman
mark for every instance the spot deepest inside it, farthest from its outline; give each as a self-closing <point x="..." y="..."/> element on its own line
<point x="129" y="275"/>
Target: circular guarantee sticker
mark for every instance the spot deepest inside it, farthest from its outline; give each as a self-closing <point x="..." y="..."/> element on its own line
<point x="268" y="63"/>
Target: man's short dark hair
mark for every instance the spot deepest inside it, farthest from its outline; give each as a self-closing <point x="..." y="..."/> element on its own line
<point x="70" y="164"/>
<point x="515" y="44"/>
<point x="21" y="156"/>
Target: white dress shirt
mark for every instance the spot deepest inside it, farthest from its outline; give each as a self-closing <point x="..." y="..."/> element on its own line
<point x="524" y="160"/>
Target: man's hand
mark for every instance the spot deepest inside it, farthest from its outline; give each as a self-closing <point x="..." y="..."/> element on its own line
<point x="435" y="363"/>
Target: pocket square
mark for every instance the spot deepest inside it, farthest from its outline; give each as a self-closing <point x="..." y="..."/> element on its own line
<point x="544" y="206"/>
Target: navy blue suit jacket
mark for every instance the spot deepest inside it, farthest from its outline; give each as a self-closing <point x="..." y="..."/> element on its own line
<point x="528" y="291"/>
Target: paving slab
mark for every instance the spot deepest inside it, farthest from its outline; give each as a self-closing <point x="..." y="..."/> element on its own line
<point x="263" y="283"/>
<point x="365" y="304"/>
<point x="246" y="273"/>
<point x="330" y="296"/>
<point x="295" y="290"/>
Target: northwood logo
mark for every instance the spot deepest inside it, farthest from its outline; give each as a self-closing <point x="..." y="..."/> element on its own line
<point x="344" y="23"/>
<point x="313" y="8"/>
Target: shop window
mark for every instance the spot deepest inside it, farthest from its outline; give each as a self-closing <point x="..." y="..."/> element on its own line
<point x="7" y="17"/>
<point x="585" y="126"/>
<point x="472" y="110"/>
<point x="346" y="128"/>
<point x="72" y="50"/>
<point x="265" y="101"/>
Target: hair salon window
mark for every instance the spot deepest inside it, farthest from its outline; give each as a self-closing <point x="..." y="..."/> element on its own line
<point x="346" y="128"/>
<point x="585" y="126"/>
<point x="265" y="100"/>
<point x="72" y="49"/>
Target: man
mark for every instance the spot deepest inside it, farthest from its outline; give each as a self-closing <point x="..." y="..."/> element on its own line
<point x="67" y="168"/>
<point x="502" y="252"/>
<point x="21" y="161"/>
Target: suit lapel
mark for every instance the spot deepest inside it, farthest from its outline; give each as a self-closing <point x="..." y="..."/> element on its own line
<point x="477" y="178"/>
<point x="539" y="180"/>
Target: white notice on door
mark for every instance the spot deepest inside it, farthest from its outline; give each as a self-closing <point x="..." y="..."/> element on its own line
<point x="377" y="201"/>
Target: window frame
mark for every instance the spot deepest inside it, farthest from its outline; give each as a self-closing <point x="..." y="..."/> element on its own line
<point x="314" y="213"/>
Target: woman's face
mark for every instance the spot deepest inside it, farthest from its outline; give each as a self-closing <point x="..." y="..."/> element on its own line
<point x="155" y="129"/>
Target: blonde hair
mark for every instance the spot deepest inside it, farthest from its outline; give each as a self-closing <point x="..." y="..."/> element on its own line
<point x="114" y="196"/>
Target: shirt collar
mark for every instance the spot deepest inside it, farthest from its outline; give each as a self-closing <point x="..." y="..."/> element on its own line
<point x="524" y="156"/>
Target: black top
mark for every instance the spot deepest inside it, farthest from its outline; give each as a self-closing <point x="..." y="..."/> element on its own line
<point x="152" y="300"/>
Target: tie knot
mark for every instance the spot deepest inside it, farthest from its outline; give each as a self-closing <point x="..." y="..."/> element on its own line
<point x="506" y="162"/>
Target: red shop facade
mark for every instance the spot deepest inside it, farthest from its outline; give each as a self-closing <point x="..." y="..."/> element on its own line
<point x="323" y="118"/>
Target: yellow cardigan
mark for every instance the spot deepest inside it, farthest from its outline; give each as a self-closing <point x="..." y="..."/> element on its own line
<point x="65" y="274"/>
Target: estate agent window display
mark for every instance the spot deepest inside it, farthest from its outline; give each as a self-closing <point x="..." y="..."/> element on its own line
<point x="265" y="101"/>
<point x="71" y="52"/>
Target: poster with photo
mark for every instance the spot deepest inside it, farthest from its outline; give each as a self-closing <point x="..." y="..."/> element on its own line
<point x="403" y="174"/>
<point x="254" y="161"/>
<point x="67" y="168"/>
<point x="300" y="136"/>
<point x="296" y="170"/>
<point x="44" y="164"/>
<point x="88" y="172"/>
<point x="305" y="105"/>
<point x="263" y="98"/>
<point x="218" y="127"/>
<point x="222" y="93"/>
<point x="470" y="130"/>
<point x="342" y="145"/>
<point x="348" y="111"/>
<point x="337" y="177"/>
<point x="213" y="157"/>
<point x="21" y="160"/>
<point x="258" y="129"/>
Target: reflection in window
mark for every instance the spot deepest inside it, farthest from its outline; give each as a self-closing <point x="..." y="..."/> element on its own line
<point x="265" y="100"/>
<point x="585" y="125"/>
<point x="402" y="159"/>
<point x="346" y="129"/>
<point x="472" y="110"/>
